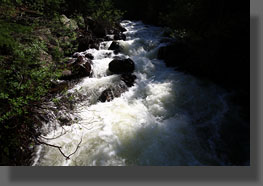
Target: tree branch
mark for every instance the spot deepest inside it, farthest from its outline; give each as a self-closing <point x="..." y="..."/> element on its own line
<point x="59" y="147"/>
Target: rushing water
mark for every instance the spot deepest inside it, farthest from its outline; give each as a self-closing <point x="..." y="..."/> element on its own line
<point x="159" y="121"/>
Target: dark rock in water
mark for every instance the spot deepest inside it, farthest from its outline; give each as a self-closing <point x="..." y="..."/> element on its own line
<point x="108" y="54"/>
<point x="81" y="68"/>
<point x="95" y="45"/>
<point x="121" y="66"/>
<point x="120" y="28"/>
<point x="116" y="47"/>
<point x="89" y="56"/>
<point x="120" y="36"/>
<point x="80" y="60"/>
<point x="128" y="79"/>
<point x="76" y="54"/>
<point x="110" y="93"/>
<point x="106" y="95"/>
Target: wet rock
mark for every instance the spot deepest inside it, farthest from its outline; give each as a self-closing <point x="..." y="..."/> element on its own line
<point x="76" y="54"/>
<point x="89" y="56"/>
<point x="120" y="36"/>
<point x="121" y="66"/>
<point x="110" y="93"/>
<point x="108" y="54"/>
<point x="128" y="79"/>
<point x="121" y="28"/>
<point x="81" y="60"/>
<point x="106" y="95"/>
<point x="81" y="68"/>
<point x="116" y="47"/>
<point x="95" y="45"/>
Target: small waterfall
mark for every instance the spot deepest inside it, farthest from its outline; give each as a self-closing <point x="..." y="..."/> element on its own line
<point x="158" y="121"/>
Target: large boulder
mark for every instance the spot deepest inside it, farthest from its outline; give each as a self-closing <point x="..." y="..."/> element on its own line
<point x="121" y="66"/>
<point x="82" y="67"/>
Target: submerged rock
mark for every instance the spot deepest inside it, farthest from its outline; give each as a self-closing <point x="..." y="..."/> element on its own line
<point x="89" y="56"/>
<point x="121" y="66"/>
<point x="110" y="93"/>
<point x="128" y="79"/>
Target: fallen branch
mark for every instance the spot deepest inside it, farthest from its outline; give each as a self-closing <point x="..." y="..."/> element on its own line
<point x="59" y="147"/>
<point x="63" y="132"/>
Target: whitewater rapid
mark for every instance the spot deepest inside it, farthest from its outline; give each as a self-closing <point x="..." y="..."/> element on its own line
<point x="158" y="121"/>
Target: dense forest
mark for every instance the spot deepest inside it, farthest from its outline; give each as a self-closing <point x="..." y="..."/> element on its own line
<point x="38" y="37"/>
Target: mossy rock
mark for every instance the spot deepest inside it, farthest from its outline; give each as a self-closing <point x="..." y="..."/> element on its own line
<point x="69" y="23"/>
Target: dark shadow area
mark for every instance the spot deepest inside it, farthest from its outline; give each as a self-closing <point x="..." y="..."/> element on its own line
<point x="166" y="174"/>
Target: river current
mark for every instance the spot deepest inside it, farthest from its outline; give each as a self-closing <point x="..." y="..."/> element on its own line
<point x="167" y="117"/>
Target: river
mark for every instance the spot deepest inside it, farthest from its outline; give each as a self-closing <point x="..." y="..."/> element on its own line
<point x="167" y="118"/>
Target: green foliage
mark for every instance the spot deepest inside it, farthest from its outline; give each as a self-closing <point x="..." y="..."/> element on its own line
<point x="33" y="46"/>
<point x="105" y="12"/>
<point x="47" y="7"/>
